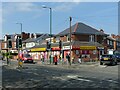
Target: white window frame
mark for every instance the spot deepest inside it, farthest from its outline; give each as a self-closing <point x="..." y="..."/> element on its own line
<point x="108" y="41"/>
<point x="91" y="38"/>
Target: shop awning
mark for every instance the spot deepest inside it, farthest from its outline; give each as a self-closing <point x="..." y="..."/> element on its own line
<point x="38" y="49"/>
<point x="87" y="47"/>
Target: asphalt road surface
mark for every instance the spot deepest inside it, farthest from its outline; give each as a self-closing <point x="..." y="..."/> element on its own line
<point x="58" y="76"/>
<point x="0" y="74"/>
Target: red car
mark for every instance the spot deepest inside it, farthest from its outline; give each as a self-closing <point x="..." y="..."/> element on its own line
<point x="26" y="58"/>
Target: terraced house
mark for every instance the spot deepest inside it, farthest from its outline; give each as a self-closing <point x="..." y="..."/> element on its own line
<point x="86" y="42"/>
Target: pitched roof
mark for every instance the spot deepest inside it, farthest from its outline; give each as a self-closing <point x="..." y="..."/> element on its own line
<point x="81" y="28"/>
<point x="41" y="38"/>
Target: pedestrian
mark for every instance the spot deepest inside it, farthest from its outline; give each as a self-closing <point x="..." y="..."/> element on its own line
<point x="55" y="59"/>
<point x="59" y="59"/>
<point x="73" y="60"/>
<point x="68" y="57"/>
<point x="79" y="59"/>
<point x="42" y="59"/>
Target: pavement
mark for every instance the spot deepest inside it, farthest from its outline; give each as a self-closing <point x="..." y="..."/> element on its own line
<point x="85" y="75"/>
<point x="14" y="64"/>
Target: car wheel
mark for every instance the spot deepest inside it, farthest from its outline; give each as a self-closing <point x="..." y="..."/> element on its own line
<point x="113" y="63"/>
<point x="101" y="63"/>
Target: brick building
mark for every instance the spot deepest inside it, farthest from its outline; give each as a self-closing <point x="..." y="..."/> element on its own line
<point x="85" y="41"/>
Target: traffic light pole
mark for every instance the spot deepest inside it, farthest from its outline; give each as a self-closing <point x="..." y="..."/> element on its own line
<point x="50" y="51"/>
<point x="70" y="41"/>
<point x="9" y="43"/>
<point x="19" y="46"/>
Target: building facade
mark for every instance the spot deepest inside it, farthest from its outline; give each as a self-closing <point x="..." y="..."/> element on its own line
<point x="86" y="42"/>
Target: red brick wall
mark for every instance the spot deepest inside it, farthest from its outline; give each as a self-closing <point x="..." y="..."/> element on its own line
<point x="81" y="37"/>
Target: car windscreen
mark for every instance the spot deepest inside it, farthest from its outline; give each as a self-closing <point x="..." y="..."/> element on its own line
<point x="107" y="56"/>
<point x="27" y="55"/>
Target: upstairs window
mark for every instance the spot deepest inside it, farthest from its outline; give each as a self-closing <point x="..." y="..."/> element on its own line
<point x="91" y="38"/>
<point x="68" y="37"/>
<point x="111" y="42"/>
<point x="108" y="42"/>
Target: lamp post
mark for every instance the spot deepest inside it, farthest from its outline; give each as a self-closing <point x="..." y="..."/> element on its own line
<point x="50" y="27"/>
<point x="70" y="42"/>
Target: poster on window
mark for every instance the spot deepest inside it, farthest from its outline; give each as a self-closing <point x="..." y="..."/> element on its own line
<point x="85" y="51"/>
<point x="77" y="52"/>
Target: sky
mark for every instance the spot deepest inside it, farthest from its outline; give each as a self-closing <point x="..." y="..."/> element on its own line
<point x="35" y="19"/>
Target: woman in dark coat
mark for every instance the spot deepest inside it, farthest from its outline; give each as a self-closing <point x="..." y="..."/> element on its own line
<point x="55" y="59"/>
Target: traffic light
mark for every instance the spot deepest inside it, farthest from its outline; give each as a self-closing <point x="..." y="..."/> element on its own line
<point x="18" y="43"/>
<point x="48" y="45"/>
<point x="60" y="44"/>
<point x="9" y="44"/>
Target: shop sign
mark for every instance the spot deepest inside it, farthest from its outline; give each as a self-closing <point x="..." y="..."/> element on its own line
<point x="87" y="47"/>
<point x="66" y="47"/>
<point x="38" y="49"/>
<point x="55" y="48"/>
<point x="76" y="48"/>
<point x="100" y="48"/>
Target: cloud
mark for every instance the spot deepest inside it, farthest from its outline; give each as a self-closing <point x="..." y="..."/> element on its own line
<point x="18" y="7"/>
<point x="66" y="6"/>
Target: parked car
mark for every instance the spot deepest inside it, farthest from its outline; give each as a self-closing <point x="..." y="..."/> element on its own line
<point x="117" y="57"/>
<point x="108" y="59"/>
<point x="26" y="58"/>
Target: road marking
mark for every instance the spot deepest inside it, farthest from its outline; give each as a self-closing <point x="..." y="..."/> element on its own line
<point x="84" y="80"/>
<point x="102" y="65"/>
<point x="76" y="77"/>
<point x="112" y="81"/>
<point x="72" y="76"/>
<point x="59" y="78"/>
<point x="36" y="74"/>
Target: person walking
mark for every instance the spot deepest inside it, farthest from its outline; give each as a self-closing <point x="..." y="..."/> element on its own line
<point x="79" y="59"/>
<point x="42" y="59"/>
<point x="68" y="57"/>
<point x="55" y="59"/>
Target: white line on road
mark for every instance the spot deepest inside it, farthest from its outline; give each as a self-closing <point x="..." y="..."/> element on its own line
<point x="112" y="81"/>
<point x="72" y="76"/>
<point x="84" y="80"/>
<point x="76" y="77"/>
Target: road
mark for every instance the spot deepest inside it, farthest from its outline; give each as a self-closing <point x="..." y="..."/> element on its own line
<point x="0" y="74"/>
<point x="51" y="76"/>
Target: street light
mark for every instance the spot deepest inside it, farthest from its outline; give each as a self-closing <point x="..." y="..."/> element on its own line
<point x="50" y="27"/>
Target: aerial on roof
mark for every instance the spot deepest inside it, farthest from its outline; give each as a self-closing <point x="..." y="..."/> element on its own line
<point x="81" y="28"/>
